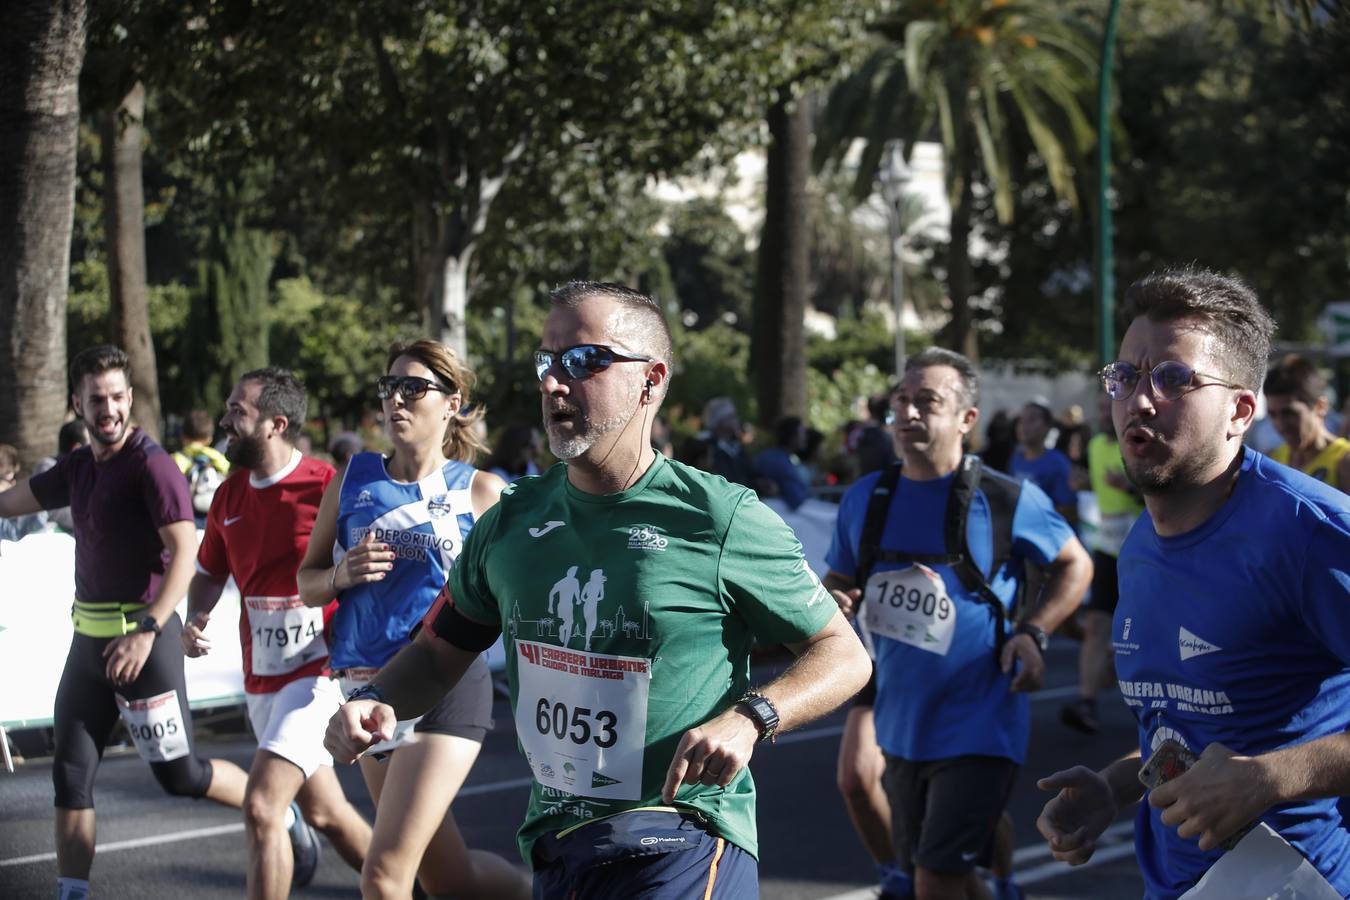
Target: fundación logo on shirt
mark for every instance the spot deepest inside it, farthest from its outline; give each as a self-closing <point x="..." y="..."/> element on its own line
<point x="1193" y="645"/>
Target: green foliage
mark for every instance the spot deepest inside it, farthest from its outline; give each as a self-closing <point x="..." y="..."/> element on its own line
<point x="832" y="394"/>
<point x="711" y="269"/>
<point x="710" y="362"/>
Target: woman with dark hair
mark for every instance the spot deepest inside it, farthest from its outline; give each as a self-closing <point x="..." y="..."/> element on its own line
<point x="385" y="538"/>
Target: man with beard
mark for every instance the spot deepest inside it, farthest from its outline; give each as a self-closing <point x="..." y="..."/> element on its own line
<point x="639" y="725"/>
<point x="134" y="543"/>
<point x="1230" y="633"/>
<point x="257" y="531"/>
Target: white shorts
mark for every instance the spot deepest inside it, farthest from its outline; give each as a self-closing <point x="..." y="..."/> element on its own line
<point x="291" y="722"/>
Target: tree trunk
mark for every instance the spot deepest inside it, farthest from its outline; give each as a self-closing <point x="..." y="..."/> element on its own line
<point x="778" y="337"/>
<point x="41" y="51"/>
<point x="124" y="222"/>
<point x="962" y="329"/>
<point x="441" y="271"/>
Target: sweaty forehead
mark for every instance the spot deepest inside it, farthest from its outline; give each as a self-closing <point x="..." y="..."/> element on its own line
<point x="1148" y="343"/>
<point x="595" y="320"/>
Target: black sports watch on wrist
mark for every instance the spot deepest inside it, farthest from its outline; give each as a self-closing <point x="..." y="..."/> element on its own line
<point x="367" y="692"/>
<point x="149" y="624"/>
<point x="1036" y="633"/>
<point x="762" y="713"/>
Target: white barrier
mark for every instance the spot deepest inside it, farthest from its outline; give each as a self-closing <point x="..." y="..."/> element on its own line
<point x="37" y="584"/>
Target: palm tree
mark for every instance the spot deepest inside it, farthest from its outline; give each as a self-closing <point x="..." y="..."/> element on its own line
<point x="972" y="70"/>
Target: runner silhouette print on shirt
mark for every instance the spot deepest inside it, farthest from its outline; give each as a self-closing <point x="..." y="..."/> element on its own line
<point x="561" y="616"/>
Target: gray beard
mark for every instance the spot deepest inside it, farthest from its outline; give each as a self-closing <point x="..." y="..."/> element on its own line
<point x="571" y="447"/>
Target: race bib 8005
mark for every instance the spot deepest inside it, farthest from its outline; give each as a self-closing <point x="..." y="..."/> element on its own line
<point x="911" y="605"/>
<point x="156" y="726"/>
<point x="582" y="719"/>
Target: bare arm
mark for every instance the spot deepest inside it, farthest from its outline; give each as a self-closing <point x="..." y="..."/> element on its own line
<point x="486" y="490"/>
<point x="319" y="580"/>
<point x="1067" y="578"/>
<point x="18" y="501"/>
<point x="1224" y="792"/>
<point x="830" y="667"/>
<point x="412" y="682"/>
<point x="127" y="654"/>
<point x="203" y="595"/>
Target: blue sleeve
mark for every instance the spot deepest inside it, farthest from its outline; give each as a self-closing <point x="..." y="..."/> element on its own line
<point x="843" y="554"/>
<point x="1065" y="495"/>
<point x="778" y="468"/>
<point x="1039" y="533"/>
<point x="1326" y="586"/>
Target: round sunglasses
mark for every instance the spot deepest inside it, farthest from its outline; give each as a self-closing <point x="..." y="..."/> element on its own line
<point x="581" y="361"/>
<point x="409" y="387"/>
<point x="1169" y="378"/>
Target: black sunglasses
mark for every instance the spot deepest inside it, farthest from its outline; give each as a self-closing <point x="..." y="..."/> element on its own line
<point x="581" y="361"/>
<point x="410" y="387"/>
<point x="1170" y="379"/>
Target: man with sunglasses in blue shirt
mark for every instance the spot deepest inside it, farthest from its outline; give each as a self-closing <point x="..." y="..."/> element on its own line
<point x="1231" y="635"/>
<point x="638" y="719"/>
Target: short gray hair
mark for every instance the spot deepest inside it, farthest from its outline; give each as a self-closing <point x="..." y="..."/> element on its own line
<point x="940" y="356"/>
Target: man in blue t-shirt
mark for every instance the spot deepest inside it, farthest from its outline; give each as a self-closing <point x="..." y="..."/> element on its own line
<point x="1231" y="634"/>
<point x="1043" y="466"/>
<point x="950" y="709"/>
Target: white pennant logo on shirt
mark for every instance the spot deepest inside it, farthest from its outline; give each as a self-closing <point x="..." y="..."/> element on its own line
<point x="1191" y="645"/>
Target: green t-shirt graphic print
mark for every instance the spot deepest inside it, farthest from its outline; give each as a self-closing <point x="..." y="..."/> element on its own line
<point x="628" y="619"/>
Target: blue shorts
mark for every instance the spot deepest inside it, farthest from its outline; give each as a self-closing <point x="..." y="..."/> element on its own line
<point x="646" y="854"/>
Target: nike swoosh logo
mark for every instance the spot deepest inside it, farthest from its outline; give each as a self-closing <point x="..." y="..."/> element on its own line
<point x="229" y="522"/>
<point x="548" y="526"/>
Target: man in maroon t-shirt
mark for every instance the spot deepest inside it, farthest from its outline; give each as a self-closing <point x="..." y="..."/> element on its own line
<point x="134" y="547"/>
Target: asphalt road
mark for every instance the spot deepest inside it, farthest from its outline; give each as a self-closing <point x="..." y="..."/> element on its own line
<point x="153" y="846"/>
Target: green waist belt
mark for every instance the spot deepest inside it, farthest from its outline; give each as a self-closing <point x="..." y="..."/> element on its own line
<point x="105" y="620"/>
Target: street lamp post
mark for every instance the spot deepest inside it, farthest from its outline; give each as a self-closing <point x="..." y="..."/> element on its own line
<point x="895" y="176"/>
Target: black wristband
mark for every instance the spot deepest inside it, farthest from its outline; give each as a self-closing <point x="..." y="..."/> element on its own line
<point x="369" y="691"/>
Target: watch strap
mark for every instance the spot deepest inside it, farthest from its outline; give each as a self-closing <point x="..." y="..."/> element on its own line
<point x="762" y="712"/>
<point x="149" y="624"/>
<point x="1036" y="633"/>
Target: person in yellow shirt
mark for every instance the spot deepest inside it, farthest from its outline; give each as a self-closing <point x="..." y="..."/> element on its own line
<point x="204" y="466"/>
<point x="1296" y="401"/>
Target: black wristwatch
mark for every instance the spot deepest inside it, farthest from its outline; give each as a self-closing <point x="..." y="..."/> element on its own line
<point x="368" y="692"/>
<point x="149" y="624"/>
<point x="762" y="713"/>
<point x="1036" y="633"/>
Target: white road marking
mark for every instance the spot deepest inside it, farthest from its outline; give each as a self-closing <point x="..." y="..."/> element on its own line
<point x="512" y="783"/>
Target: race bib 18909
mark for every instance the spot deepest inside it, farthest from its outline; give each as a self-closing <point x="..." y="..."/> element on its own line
<point x="911" y="605"/>
<point x="582" y="719"/>
<point x="285" y="634"/>
<point x="156" y="726"/>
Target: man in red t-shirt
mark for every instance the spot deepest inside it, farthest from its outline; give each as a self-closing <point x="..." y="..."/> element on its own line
<point x="257" y="531"/>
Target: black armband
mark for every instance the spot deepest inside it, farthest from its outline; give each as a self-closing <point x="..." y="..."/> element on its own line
<point x="451" y="626"/>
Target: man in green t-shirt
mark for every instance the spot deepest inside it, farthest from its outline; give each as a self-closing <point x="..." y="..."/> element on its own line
<point x="629" y="589"/>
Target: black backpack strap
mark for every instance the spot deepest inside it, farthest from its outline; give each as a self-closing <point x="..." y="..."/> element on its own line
<point x="874" y="523"/>
<point x="970" y="478"/>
